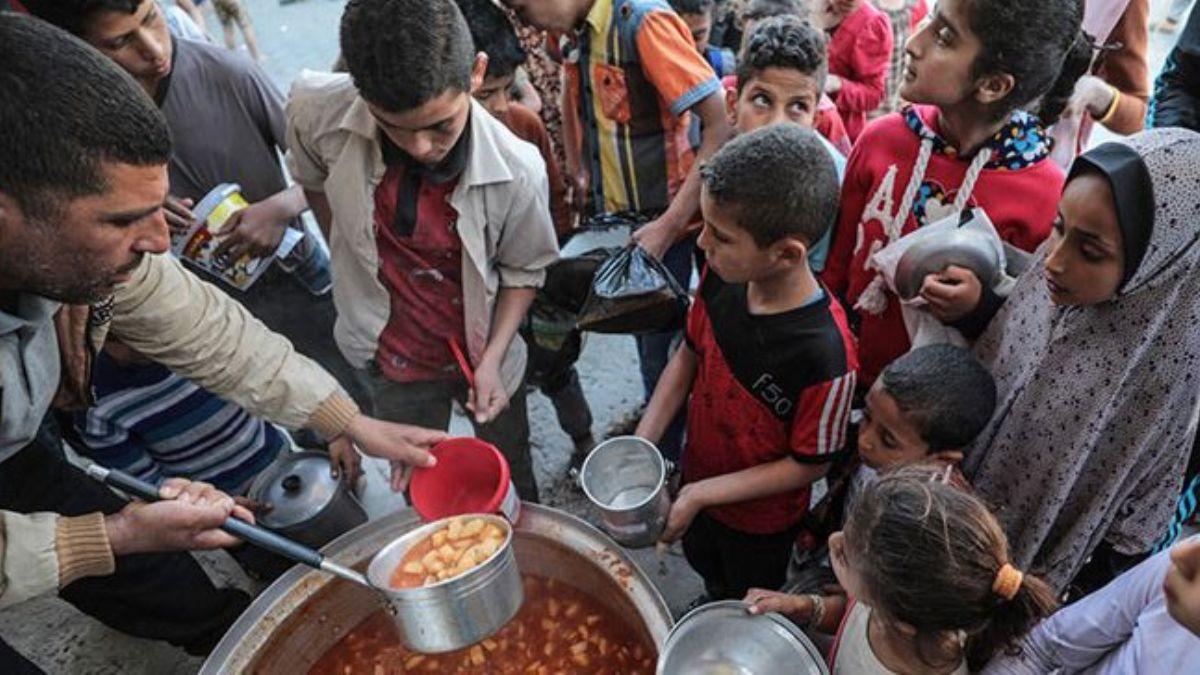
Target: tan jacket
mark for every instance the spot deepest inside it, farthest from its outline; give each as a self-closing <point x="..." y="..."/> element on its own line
<point x="501" y="200"/>
<point x="188" y="325"/>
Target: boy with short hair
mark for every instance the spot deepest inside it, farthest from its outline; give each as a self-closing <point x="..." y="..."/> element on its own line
<point x="780" y="78"/>
<point x="633" y="78"/>
<point x="441" y="231"/>
<point x="926" y="406"/>
<point x="769" y="363"/>
<point x="786" y="42"/>
<point x="495" y="36"/>
<point x="698" y="15"/>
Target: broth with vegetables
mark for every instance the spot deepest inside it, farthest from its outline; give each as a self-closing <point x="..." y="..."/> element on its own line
<point x="462" y="545"/>
<point x="558" y="630"/>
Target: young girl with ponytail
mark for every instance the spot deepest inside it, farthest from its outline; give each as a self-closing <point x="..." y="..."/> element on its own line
<point x="967" y="142"/>
<point x="929" y="583"/>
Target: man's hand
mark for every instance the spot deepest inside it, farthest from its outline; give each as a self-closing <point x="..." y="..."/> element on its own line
<point x="186" y="520"/>
<point x="345" y="461"/>
<point x="403" y="445"/>
<point x="952" y="293"/>
<point x="487" y="397"/>
<point x="833" y="84"/>
<point x="798" y="608"/>
<point x="178" y="213"/>
<point x="683" y="512"/>
<point x="255" y="230"/>
<point x="656" y="237"/>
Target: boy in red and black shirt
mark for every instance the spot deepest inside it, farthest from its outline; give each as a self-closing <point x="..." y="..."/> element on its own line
<point x="768" y="367"/>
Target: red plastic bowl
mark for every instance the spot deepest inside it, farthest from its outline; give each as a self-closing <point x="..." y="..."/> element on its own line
<point x="471" y="476"/>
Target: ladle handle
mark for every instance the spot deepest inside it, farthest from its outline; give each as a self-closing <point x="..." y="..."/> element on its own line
<point x="261" y="537"/>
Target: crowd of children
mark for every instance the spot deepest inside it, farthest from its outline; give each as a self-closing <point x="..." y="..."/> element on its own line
<point x="921" y="480"/>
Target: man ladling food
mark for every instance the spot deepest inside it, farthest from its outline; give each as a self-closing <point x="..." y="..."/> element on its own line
<point x="83" y="177"/>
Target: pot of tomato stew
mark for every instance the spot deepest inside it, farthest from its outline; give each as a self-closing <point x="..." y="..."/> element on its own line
<point x="588" y="608"/>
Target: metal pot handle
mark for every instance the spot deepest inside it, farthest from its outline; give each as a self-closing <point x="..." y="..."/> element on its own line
<point x="573" y="473"/>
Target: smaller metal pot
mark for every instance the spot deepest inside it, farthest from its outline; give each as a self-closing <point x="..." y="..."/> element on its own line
<point x="457" y="612"/>
<point x="722" y="637"/>
<point x="626" y="478"/>
<point x="310" y="505"/>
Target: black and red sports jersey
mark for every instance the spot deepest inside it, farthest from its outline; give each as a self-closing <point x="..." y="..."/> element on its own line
<point x="766" y="387"/>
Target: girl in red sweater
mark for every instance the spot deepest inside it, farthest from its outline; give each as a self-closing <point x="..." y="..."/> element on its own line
<point x="963" y="145"/>
<point x="860" y="54"/>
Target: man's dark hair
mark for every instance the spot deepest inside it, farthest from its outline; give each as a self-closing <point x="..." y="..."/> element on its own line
<point x="692" y="6"/>
<point x="756" y="10"/>
<point x="66" y="109"/>
<point x="494" y="35"/>
<point x="405" y="53"/>
<point x="784" y="42"/>
<point x="73" y="15"/>
<point x="945" y="390"/>
<point x="778" y="181"/>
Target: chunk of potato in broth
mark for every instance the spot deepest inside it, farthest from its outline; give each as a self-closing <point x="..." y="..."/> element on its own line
<point x="462" y="545"/>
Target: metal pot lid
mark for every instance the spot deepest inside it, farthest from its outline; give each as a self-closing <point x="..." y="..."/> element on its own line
<point x="298" y="485"/>
<point x="724" y="637"/>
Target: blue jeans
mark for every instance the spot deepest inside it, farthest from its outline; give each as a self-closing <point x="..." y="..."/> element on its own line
<point x="654" y="349"/>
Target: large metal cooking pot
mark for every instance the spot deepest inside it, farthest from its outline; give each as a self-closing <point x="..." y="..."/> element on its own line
<point x="303" y="614"/>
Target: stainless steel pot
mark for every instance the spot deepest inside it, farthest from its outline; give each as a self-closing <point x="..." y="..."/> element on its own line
<point x="457" y="612"/>
<point x="963" y="247"/>
<point x="309" y="505"/>
<point x="626" y="478"/>
<point x="306" y="612"/>
<point x="722" y="637"/>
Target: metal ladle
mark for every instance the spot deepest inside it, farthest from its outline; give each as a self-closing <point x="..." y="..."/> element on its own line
<point x="259" y="536"/>
<point x="443" y="617"/>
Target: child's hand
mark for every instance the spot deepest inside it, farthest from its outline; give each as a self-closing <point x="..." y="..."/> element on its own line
<point x="952" y="293"/>
<point x="344" y="460"/>
<point x="487" y="397"/>
<point x="683" y="512"/>
<point x="798" y="608"/>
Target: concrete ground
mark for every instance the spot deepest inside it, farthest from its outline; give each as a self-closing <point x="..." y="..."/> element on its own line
<point x="303" y="34"/>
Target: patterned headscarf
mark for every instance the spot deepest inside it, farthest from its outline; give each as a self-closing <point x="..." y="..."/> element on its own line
<point x="1098" y="404"/>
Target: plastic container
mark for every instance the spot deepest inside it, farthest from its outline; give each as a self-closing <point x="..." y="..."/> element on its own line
<point x="471" y="476"/>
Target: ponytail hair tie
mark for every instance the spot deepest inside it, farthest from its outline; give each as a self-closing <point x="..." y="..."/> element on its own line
<point x="1008" y="582"/>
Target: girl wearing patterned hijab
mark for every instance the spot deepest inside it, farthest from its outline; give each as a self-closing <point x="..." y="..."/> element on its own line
<point x="1096" y="356"/>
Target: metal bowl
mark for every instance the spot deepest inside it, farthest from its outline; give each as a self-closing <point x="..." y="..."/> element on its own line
<point x="722" y="637"/>
<point x="961" y="247"/>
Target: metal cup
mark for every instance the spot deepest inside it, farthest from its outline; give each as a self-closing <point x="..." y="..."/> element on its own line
<point x="626" y="478"/>
<point x="457" y="612"/>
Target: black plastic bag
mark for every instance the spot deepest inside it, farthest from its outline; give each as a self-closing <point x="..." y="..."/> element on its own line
<point x="632" y="292"/>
